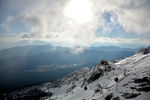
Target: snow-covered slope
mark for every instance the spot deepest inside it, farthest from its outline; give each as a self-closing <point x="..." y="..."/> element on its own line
<point x="133" y="83"/>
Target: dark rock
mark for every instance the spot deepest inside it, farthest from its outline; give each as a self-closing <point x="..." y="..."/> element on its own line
<point x="144" y="88"/>
<point x="100" y="69"/>
<point x="142" y="80"/>
<point x="104" y="62"/>
<point x="141" y="50"/>
<point x="132" y="87"/>
<point x="116" y="98"/>
<point x="97" y="90"/>
<point x="143" y="84"/>
<point x="108" y="97"/>
<point x="94" y="77"/>
<point x="130" y="95"/>
<point x="145" y="50"/>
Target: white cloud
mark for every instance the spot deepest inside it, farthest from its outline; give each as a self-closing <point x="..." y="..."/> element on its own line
<point x="133" y="15"/>
<point x="77" y="50"/>
<point x="48" y="20"/>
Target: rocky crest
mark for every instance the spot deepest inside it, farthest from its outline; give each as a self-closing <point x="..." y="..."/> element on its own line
<point x="144" y="50"/>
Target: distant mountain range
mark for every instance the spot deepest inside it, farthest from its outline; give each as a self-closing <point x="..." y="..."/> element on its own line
<point x="22" y="43"/>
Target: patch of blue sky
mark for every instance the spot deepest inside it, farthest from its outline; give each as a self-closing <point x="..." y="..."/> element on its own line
<point x="115" y="30"/>
<point x="15" y="28"/>
<point x="21" y="27"/>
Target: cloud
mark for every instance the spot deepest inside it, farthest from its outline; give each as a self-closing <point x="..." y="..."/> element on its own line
<point x="132" y="15"/>
<point x="76" y="50"/>
<point x="47" y="20"/>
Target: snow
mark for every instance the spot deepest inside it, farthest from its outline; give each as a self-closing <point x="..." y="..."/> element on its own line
<point x="135" y="66"/>
<point x="128" y="69"/>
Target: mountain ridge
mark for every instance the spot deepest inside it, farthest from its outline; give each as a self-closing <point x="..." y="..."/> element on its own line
<point x="133" y="75"/>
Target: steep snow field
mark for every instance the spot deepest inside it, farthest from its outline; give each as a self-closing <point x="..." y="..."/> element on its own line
<point x="128" y="69"/>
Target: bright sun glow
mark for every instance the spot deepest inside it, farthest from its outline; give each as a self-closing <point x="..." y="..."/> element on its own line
<point x="79" y="10"/>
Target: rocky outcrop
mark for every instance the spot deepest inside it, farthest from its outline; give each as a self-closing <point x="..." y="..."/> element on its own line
<point x="144" y="84"/>
<point x="144" y="50"/>
<point x="100" y="69"/>
<point x="130" y="95"/>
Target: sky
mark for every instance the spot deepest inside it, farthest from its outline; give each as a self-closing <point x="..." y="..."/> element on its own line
<point x="72" y="23"/>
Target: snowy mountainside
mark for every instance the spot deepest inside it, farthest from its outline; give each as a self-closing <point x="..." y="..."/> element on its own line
<point x="134" y="82"/>
<point x="133" y="74"/>
<point x="67" y="83"/>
